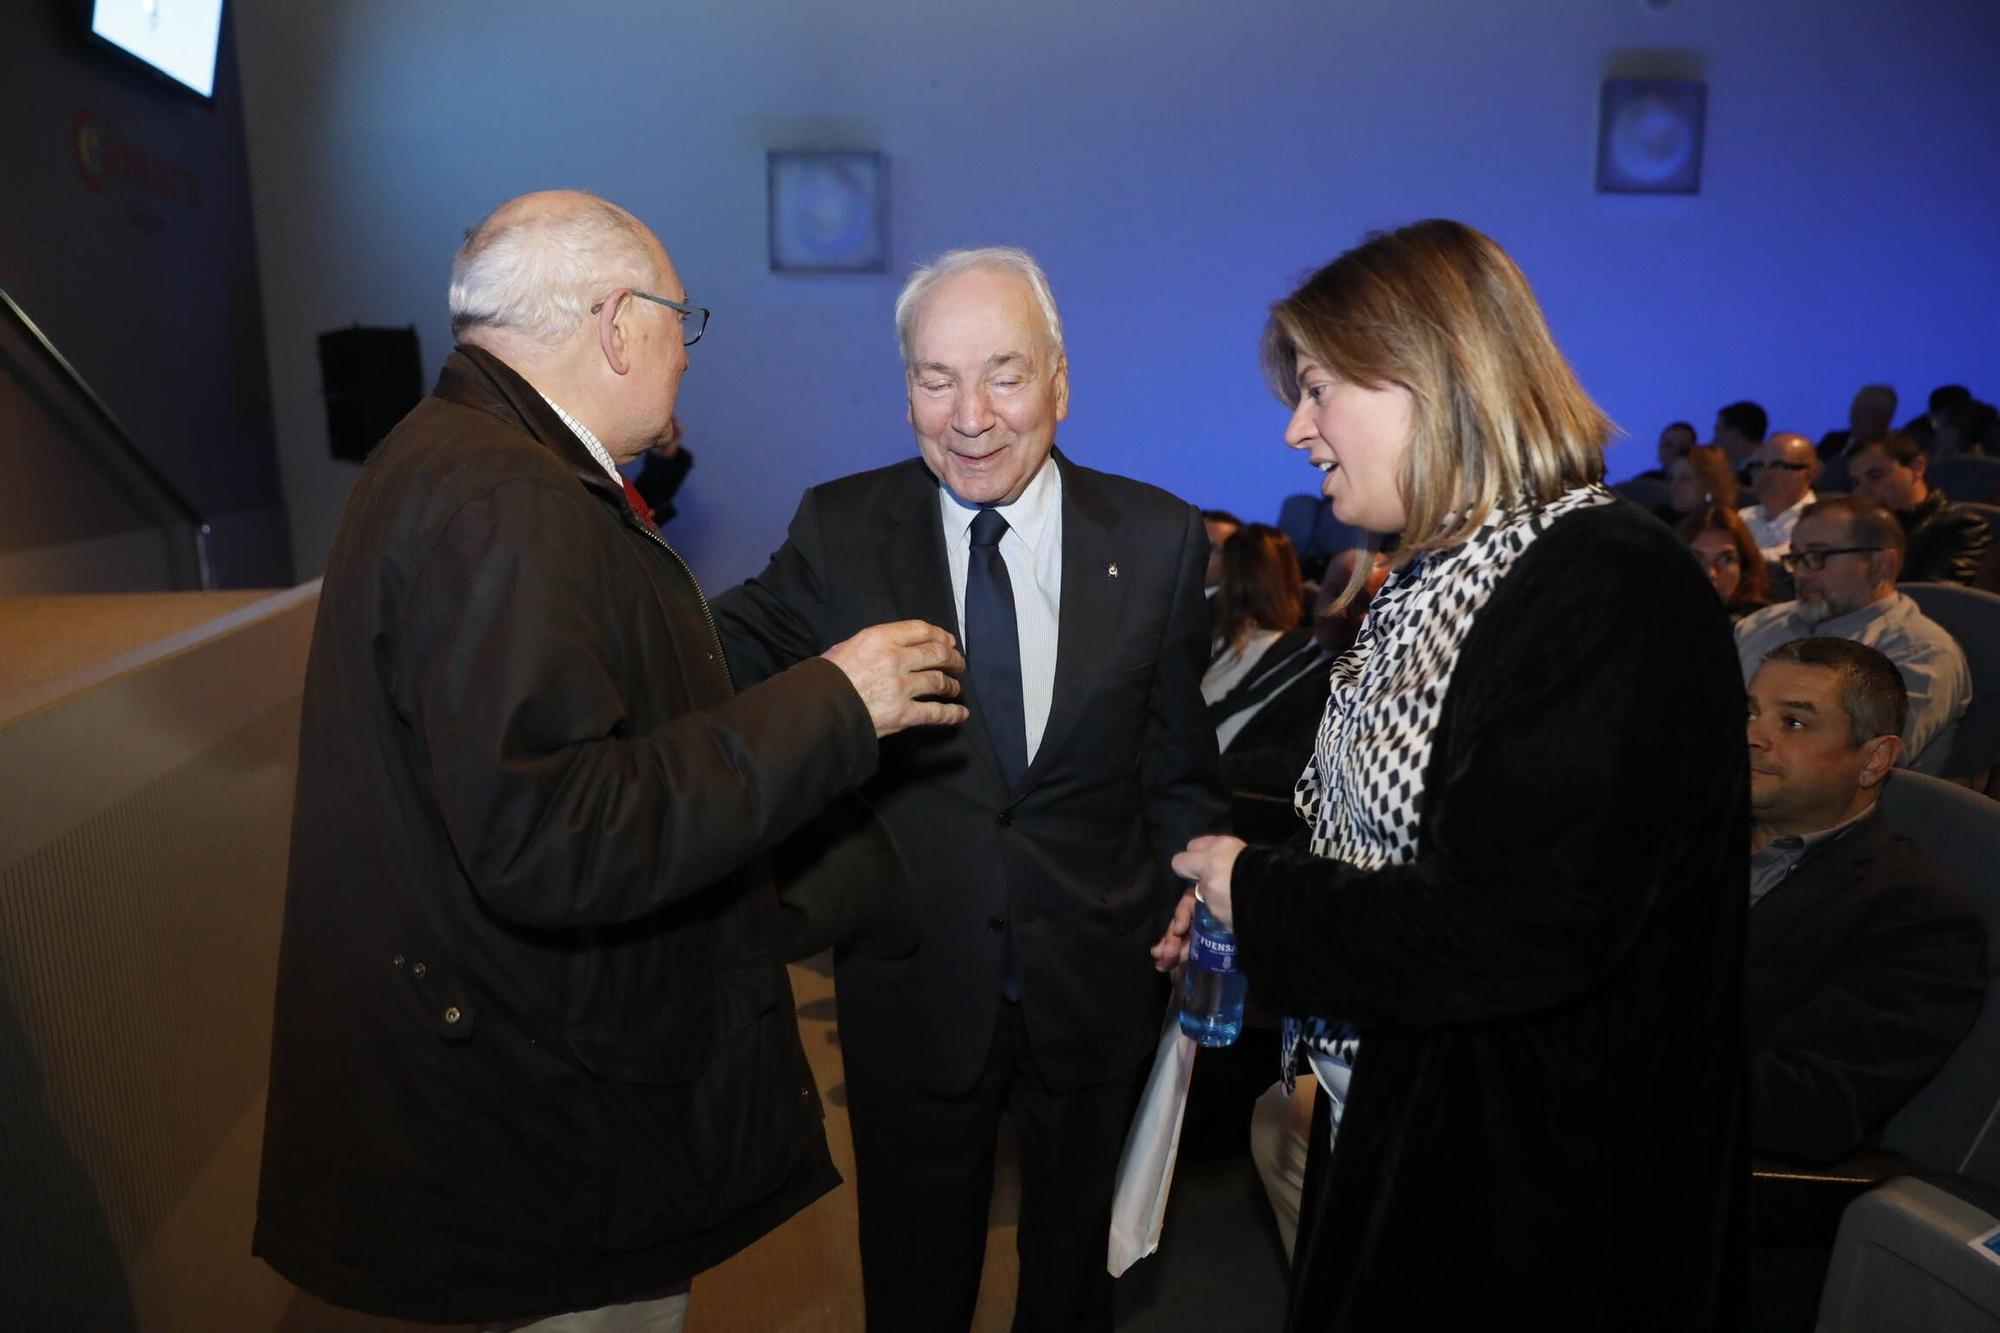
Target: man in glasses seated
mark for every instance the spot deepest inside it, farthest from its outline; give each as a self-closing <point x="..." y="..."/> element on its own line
<point x="1782" y="473"/>
<point x="1846" y="553"/>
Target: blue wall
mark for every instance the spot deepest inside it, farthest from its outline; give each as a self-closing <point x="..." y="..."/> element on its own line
<point x="1175" y="164"/>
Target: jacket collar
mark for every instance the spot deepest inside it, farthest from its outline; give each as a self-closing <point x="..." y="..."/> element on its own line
<point x="914" y="560"/>
<point x="474" y="377"/>
<point x="1826" y="873"/>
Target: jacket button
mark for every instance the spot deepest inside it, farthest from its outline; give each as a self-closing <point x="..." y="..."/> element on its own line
<point x="452" y="1014"/>
<point x="1006" y="819"/>
<point x="397" y="961"/>
<point x="418" y="969"/>
<point x="996" y="924"/>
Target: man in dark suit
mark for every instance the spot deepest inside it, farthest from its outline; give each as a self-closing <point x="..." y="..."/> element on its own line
<point x="1037" y="837"/>
<point x="1864" y="959"/>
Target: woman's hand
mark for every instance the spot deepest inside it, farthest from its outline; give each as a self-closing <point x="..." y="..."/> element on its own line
<point x="1208" y="862"/>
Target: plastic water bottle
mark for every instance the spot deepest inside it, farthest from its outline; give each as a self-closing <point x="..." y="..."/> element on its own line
<point x="1212" y="987"/>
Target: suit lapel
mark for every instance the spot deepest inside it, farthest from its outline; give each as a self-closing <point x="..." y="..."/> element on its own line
<point x="1826" y="874"/>
<point x="1092" y="597"/>
<point x="919" y="578"/>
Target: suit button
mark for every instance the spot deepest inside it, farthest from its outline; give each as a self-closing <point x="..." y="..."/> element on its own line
<point x="1006" y="819"/>
<point x="996" y="924"/>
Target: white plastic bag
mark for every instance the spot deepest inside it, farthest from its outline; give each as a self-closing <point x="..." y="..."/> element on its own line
<point x="1146" y="1169"/>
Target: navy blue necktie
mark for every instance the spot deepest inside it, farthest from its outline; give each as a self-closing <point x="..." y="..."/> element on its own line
<point x="993" y="647"/>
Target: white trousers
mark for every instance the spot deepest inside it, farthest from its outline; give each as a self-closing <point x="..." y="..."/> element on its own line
<point x="665" y="1314"/>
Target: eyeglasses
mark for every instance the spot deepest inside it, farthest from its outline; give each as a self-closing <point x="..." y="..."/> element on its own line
<point x="1754" y="465"/>
<point x="1813" y="560"/>
<point x="694" y="318"/>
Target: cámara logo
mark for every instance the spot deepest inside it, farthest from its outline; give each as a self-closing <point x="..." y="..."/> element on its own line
<point x="104" y="154"/>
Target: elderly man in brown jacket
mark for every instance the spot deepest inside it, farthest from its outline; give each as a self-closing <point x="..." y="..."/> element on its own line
<point x="534" y="1051"/>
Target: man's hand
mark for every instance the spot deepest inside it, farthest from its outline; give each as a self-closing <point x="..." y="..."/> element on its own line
<point x="895" y="667"/>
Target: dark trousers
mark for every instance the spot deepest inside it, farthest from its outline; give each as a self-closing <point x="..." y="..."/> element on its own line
<point x="924" y="1181"/>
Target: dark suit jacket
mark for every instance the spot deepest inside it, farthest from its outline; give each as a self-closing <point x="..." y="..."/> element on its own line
<point x="1864" y="974"/>
<point x="1125" y="774"/>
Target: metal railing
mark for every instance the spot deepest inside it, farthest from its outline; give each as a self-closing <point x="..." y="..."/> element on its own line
<point x="205" y="571"/>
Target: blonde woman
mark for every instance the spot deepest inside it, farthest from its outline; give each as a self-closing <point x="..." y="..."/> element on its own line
<point x="1523" y="983"/>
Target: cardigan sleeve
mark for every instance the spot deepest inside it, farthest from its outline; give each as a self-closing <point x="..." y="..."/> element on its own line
<point x="1589" y="758"/>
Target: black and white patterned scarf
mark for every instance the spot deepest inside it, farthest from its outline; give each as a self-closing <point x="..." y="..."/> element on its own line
<point x="1363" y="786"/>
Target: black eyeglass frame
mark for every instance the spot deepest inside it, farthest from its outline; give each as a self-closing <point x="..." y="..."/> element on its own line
<point x="692" y="316"/>
<point x="1814" y="561"/>
<point x="1759" y="464"/>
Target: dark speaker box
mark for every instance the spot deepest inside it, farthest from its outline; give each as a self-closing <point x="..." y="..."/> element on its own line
<point x="371" y="379"/>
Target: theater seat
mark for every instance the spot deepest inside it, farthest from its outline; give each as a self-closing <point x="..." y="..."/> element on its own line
<point x="1902" y="1261"/>
<point x="1973" y="618"/>
<point x="1966" y="478"/>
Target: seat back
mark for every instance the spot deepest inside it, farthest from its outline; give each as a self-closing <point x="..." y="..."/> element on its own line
<point x="1646" y="492"/>
<point x="1973" y="618"/>
<point x="1296" y="516"/>
<point x="1953" y="1123"/>
<point x="1966" y="478"/>
<point x="1316" y="534"/>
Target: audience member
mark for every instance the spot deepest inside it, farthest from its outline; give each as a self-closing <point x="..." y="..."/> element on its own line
<point x="1923" y="429"/>
<point x="1697" y="479"/>
<point x="662" y="469"/>
<point x="1969" y="429"/>
<point x="1869" y="417"/>
<point x="1219" y="523"/>
<point x="1266" y="722"/>
<point x="1257" y="601"/>
<point x="1946" y="542"/>
<point x="1865" y="960"/>
<point x="1675" y="440"/>
<point x="1338" y="613"/>
<point x="1846" y="553"/>
<point x="1730" y="558"/>
<point x="1739" y="429"/>
<point x="1782" y="472"/>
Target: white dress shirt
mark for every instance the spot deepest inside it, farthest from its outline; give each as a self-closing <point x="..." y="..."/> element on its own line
<point x="1773" y="535"/>
<point x="1032" y="548"/>
<point x="590" y="441"/>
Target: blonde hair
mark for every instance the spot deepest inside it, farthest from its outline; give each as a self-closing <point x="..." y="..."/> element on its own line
<point x="1439" y="310"/>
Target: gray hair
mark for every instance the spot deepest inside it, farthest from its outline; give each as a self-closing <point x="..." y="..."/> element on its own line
<point x="1011" y="258"/>
<point x="535" y="268"/>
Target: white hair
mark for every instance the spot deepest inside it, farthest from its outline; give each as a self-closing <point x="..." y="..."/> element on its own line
<point x="535" y="270"/>
<point x="1011" y="258"/>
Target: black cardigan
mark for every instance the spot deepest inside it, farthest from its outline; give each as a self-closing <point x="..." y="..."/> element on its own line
<point x="1547" y="1114"/>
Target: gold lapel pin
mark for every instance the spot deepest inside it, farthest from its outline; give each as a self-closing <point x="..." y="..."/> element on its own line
<point x="1112" y="571"/>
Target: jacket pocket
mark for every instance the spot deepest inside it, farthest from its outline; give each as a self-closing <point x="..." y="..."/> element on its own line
<point x="676" y="1158"/>
<point x="672" y="1035"/>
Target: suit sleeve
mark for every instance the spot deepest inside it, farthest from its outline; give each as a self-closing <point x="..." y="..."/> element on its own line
<point x="561" y="815"/>
<point x="1890" y="1010"/>
<point x="1582" y="708"/>
<point x="1178" y="767"/>
<point x="775" y="620"/>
